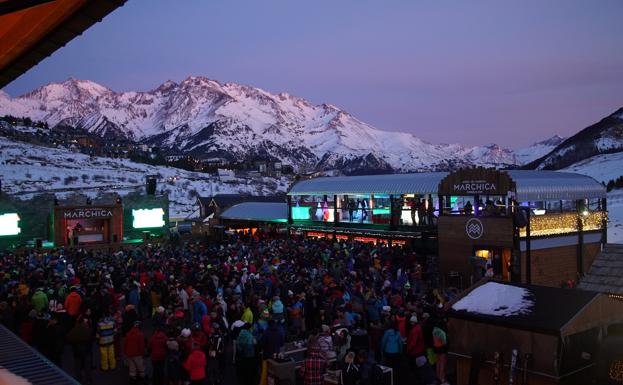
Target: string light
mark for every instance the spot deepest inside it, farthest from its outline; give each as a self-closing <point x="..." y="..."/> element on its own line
<point x="563" y="223"/>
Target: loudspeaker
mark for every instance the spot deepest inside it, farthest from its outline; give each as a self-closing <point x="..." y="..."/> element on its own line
<point x="151" y="185"/>
<point x="38" y="243"/>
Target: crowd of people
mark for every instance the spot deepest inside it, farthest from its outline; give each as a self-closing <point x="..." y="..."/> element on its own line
<point x="179" y="313"/>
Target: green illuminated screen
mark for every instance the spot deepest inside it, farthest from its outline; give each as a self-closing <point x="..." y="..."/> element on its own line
<point x="8" y="224"/>
<point x="147" y="218"/>
<point x="300" y="213"/>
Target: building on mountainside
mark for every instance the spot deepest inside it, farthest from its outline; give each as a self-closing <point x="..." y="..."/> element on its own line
<point x="555" y="332"/>
<point x="214" y="162"/>
<point x="175" y="158"/>
<point x="540" y="227"/>
<point x="118" y="148"/>
<point x="225" y="175"/>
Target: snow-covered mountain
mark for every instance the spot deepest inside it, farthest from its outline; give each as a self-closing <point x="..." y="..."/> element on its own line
<point x="603" y="137"/>
<point x="205" y="118"/>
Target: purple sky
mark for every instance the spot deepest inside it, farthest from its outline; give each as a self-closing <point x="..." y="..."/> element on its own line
<point x="472" y="72"/>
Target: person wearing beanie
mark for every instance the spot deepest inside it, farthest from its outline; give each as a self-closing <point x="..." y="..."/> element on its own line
<point x="195" y="364"/>
<point x="416" y="350"/>
<point x="39" y="300"/>
<point x="134" y="349"/>
<point x="270" y="343"/>
<point x="80" y="339"/>
<point x="173" y="361"/>
<point x="215" y="348"/>
<point x="159" y="318"/>
<point x="391" y="346"/>
<point x="73" y="302"/>
<point x="246" y="360"/>
<point x="158" y="348"/>
<point x="105" y="335"/>
<point x="351" y="370"/>
<point x="314" y="366"/>
<point x="325" y="343"/>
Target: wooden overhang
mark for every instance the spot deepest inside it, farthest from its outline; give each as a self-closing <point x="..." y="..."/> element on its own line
<point x="30" y="34"/>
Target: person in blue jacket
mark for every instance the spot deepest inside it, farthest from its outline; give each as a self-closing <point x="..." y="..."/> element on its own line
<point x="391" y="347"/>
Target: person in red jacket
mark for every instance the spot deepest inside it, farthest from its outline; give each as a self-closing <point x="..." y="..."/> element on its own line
<point x="416" y="351"/>
<point x="158" y="347"/>
<point x="134" y="348"/>
<point x="73" y="303"/>
<point x="196" y="366"/>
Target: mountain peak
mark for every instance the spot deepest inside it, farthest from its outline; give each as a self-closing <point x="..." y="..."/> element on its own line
<point x="71" y="88"/>
<point x="166" y="86"/>
<point x="553" y="141"/>
<point x="199" y="80"/>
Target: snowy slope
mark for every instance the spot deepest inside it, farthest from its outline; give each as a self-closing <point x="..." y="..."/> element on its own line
<point x="205" y="118"/>
<point x="605" y="136"/>
<point x="615" y="216"/>
<point x="605" y="168"/>
<point x="26" y="170"/>
<point x="537" y="150"/>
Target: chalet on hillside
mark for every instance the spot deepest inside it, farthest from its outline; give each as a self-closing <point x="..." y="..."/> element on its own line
<point x="87" y="141"/>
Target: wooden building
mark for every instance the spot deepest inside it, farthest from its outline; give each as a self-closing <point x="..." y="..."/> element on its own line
<point x="556" y="333"/>
<point x="541" y="227"/>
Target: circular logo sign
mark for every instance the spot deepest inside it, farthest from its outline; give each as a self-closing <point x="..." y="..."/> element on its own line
<point x="474" y="228"/>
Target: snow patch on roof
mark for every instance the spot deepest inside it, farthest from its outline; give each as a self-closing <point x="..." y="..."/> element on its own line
<point x="496" y="299"/>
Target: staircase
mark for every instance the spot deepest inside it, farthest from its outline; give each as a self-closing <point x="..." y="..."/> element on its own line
<point x="606" y="273"/>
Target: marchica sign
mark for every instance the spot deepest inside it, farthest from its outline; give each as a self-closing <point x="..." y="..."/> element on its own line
<point x="474" y="187"/>
<point x="476" y="181"/>
<point x="85" y="213"/>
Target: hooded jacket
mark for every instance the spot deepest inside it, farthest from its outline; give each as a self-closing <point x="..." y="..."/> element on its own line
<point x="196" y="365"/>
<point x="134" y="343"/>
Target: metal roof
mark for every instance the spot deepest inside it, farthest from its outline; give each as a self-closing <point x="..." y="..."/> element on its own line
<point x="543" y="185"/>
<point x="257" y="211"/>
<point x="20" y="359"/>
<point x="417" y="183"/>
<point x="531" y="185"/>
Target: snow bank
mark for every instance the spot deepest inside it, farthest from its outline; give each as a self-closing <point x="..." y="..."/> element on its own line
<point x="615" y="216"/>
<point x="496" y="299"/>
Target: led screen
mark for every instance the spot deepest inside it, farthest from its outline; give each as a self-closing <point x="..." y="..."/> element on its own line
<point x="147" y="218"/>
<point x="8" y="224"/>
<point x="300" y="213"/>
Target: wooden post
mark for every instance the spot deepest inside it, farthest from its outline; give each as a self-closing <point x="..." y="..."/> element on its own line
<point x="580" y="251"/>
<point x="604" y="221"/>
<point x="335" y="221"/>
<point x="528" y="251"/>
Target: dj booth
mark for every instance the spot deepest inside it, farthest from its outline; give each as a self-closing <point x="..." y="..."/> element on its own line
<point x="284" y="371"/>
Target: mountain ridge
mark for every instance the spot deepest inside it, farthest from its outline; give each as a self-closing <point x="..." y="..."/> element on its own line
<point x="205" y="118"/>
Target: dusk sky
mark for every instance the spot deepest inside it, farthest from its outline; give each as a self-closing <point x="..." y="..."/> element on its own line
<point x="471" y="72"/>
